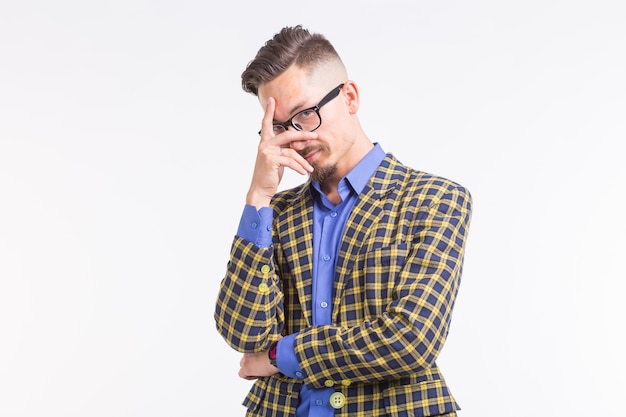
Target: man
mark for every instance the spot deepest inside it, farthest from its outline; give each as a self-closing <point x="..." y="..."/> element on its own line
<point x="340" y="291"/>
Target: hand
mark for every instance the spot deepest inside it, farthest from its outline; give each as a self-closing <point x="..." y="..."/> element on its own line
<point x="275" y="153"/>
<point x="256" y="365"/>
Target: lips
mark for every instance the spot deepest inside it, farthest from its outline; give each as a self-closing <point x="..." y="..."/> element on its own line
<point x="310" y="154"/>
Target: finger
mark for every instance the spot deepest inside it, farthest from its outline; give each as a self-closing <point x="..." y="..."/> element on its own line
<point x="242" y="375"/>
<point x="285" y="139"/>
<point x="291" y="158"/>
<point x="295" y="162"/>
<point x="268" y="119"/>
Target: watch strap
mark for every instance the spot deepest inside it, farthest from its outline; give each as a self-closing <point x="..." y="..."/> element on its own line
<point x="271" y="354"/>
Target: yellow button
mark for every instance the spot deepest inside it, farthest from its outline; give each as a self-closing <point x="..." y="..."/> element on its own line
<point x="265" y="269"/>
<point x="329" y="383"/>
<point x="346" y="382"/>
<point x="337" y="400"/>
<point x="263" y="288"/>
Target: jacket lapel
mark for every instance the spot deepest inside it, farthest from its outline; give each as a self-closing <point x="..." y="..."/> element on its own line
<point x="363" y="221"/>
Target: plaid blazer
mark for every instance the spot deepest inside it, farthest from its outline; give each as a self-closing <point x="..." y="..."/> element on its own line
<point x="397" y="276"/>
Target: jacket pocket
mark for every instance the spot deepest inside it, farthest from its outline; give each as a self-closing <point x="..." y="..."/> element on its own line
<point x="380" y="269"/>
<point x="427" y="398"/>
<point x="387" y="257"/>
<point x="272" y="395"/>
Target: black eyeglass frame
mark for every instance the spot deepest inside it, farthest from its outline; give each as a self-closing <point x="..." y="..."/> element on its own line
<point x="327" y="98"/>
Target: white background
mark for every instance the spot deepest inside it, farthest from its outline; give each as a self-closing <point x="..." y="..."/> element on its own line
<point x="126" y="148"/>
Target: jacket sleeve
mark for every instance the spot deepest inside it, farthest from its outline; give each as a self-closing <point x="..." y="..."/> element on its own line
<point x="394" y="319"/>
<point x="249" y="308"/>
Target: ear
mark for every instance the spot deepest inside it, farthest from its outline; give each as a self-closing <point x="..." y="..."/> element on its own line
<point x="350" y="95"/>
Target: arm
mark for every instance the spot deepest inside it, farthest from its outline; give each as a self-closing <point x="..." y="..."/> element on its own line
<point x="403" y="298"/>
<point x="249" y="309"/>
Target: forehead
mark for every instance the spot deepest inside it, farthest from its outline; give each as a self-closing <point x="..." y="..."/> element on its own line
<point x="290" y="89"/>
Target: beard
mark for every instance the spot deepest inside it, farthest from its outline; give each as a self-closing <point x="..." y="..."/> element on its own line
<point x="323" y="173"/>
<point x="320" y="173"/>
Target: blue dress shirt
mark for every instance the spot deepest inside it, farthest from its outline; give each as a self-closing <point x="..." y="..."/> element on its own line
<point x="328" y="224"/>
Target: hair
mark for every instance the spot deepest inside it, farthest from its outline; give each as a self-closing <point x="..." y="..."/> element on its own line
<point x="292" y="45"/>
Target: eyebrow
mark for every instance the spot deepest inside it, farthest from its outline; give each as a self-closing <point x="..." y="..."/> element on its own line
<point x="294" y="110"/>
<point x="296" y="107"/>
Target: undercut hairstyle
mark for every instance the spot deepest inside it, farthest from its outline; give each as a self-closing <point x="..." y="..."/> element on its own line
<point x="292" y="45"/>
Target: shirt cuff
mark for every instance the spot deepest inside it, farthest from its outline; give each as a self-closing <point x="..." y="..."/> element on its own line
<point x="256" y="226"/>
<point x="286" y="357"/>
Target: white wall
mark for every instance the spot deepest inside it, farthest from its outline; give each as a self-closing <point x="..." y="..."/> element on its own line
<point x="126" y="147"/>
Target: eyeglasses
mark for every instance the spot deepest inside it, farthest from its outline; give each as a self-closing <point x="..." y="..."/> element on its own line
<point x="308" y="119"/>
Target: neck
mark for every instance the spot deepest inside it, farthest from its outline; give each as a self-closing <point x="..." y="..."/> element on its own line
<point x="330" y="185"/>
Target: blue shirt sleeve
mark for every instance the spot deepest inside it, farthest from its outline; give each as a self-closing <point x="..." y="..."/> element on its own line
<point x="286" y="357"/>
<point x="256" y="225"/>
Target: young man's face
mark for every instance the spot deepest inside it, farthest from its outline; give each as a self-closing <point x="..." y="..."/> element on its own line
<point x="296" y="90"/>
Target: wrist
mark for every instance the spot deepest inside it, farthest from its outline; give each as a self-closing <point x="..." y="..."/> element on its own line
<point x="258" y="199"/>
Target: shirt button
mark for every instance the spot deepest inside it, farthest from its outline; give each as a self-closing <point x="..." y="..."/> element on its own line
<point x="323" y="304"/>
<point x="265" y="269"/>
<point x="254" y="225"/>
<point x="326" y="258"/>
<point x="268" y="228"/>
<point x="337" y="400"/>
<point x="329" y="383"/>
<point x="319" y="402"/>
<point x="333" y="214"/>
<point x="299" y="374"/>
<point x="264" y="289"/>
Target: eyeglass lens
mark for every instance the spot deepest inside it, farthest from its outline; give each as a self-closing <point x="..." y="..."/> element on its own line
<point x="307" y="120"/>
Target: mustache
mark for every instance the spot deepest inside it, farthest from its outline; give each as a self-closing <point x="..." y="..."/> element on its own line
<point x="304" y="152"/>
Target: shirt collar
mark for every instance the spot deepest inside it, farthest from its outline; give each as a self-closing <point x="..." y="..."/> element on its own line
<point x="360" y="175"/>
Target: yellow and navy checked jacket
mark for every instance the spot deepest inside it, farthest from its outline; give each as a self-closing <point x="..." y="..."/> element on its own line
<point x="397" y="276"/>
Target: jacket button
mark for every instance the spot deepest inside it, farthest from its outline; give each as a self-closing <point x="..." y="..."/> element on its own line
<point x="329" y="383"/>
<point x="265" y="269"/>
<point x="337" y="400"/>
<point x="263" y="288"/>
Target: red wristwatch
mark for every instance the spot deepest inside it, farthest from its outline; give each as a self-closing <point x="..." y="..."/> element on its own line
<point x="271" y="354"/>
